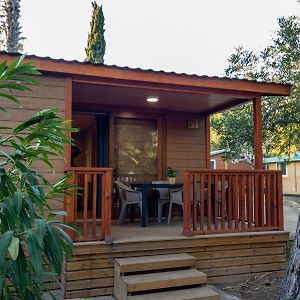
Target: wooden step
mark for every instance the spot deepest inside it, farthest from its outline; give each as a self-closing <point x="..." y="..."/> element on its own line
<point x="163" y="280"/>
<point x="198" y="293"/>
<point x="155" y="262"/>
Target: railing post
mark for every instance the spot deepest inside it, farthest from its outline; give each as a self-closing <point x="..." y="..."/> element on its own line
<point x="280" y="201"/>
<point x="70" y="208"/>
<point x="108" y="200"/>
<point x="187" y="204"/>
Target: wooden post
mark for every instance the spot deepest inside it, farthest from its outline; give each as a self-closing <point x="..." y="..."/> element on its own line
<point x="207" y="141"/>
<point x="187" y="204"/>
<point x="258" y="157"/>
<point x="69" y="200"/>
<point x="257" y="133"/>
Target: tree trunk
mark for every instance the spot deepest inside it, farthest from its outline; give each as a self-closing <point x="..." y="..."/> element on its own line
<point x="290" y="289"/>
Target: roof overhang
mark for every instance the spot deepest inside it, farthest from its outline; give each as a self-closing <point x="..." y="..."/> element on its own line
<point x="145" y="82"/>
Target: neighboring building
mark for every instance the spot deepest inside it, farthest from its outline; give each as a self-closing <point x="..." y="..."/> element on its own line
<point x="290" y="172"/>
<point x="217" y="162"/>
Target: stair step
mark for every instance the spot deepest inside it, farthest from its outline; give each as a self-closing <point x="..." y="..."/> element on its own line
<point x="198" y="293"/>
<point x="155" y="262"/>
<point x="163" y="280"/>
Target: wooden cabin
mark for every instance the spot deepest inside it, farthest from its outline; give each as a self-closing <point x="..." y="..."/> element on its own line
<point x="217" y="162"/>
<point x="290" y="172"/>
<point x="229" y="225"/>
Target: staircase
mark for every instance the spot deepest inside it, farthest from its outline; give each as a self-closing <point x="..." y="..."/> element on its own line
<point x="165" y="277"/>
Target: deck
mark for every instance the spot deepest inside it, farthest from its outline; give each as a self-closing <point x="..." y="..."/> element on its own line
<point x="223" y="257"/>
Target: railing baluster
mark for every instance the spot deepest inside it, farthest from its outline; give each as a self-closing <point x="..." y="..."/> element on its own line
<point x="230" y="208"/>
<point x="236" y="200"/>
<point x="208" y="201"/>
<point x="94" y="180"/>
<point x="202" y="201"/>
<point x="250" y="200"/>
<point x="223" y="200"/>
<point x="256" y="197"/>
<point x="85" y="205"/>
<point x="195" y="204"/>
<point x="275" y="213"/>
<point x="242" y="200"/>
<point x="262" y="200"/>
<point x="268" y="200"/>
<point x="216" y="201"/>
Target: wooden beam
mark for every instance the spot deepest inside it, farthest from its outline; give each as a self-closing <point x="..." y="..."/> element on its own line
<point x="207" y="141"/>
<point x="257" y="133"/>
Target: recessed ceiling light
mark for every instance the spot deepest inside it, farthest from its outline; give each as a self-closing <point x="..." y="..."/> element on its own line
<point x="152" y="99"/>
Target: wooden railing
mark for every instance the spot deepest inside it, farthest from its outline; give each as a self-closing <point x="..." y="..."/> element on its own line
<point x="89" y="208"/>
<point x="220" y="201"/>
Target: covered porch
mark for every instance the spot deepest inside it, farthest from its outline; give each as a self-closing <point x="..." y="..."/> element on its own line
<point x="125" y="138"/>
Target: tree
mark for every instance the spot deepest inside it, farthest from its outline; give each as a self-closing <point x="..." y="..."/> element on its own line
<point x="32" y="242"/>
<point x="96" y="43"/>
<point x="281" y="115"/>
<point x="10" y="26"/>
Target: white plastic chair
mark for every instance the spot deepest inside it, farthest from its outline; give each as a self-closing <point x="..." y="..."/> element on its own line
<point x="128" y="196"/>
<point x="163" y="198"/>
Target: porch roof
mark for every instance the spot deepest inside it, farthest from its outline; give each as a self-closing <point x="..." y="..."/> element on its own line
<point x="180" y="92"/>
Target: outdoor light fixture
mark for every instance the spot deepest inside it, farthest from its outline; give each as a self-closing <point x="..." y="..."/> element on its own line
<point x="152" y="99"/>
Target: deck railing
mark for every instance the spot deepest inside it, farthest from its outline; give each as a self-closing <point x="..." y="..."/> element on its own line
<point x="89" y="208"/>
<point x="220" y="201"/>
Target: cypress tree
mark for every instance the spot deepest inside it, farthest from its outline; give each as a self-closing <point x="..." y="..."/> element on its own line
<point x="95" y="49"/>
<point x="10" y="27"/>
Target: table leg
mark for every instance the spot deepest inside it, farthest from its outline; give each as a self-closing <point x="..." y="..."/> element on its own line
<point x="144" y="206"/>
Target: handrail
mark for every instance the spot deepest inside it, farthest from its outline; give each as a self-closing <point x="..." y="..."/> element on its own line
<point x="83" y="208"/>
<point x="220" y="201"/>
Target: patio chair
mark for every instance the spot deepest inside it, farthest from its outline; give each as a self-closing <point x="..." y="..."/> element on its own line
<point x="128" y="196"/>
<point x="163" y="198"/>
<point x="176" y="197"/>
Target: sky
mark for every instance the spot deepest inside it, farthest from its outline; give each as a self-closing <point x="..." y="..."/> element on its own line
<point x="191" y="36"/>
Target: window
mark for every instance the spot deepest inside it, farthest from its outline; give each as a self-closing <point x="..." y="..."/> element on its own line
<point x="283" y="167"/>
<point x="213" y="164"/>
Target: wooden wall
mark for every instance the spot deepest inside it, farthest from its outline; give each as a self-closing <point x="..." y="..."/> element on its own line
<point x="185" y="146"/>
<point x="224" y="258"/>
<point x="49" y="94"/>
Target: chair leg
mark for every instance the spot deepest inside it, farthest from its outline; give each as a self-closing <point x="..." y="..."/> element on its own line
<point x="170" y="213"/>
<point x="122" y="213"/>
<point x="159" y="211"/>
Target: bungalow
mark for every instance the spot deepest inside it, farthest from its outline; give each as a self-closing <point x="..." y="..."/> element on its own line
<point x="217" y="162"/>
<point x="290" y="172"/>
<point x="133" y="125"/>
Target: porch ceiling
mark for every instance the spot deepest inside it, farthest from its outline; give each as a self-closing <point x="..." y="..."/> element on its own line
<point x="86" y="95"/>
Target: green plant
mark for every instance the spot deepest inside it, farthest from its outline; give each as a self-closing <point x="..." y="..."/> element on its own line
<point x="171" y="172"/>
<point x="32" y="241"/>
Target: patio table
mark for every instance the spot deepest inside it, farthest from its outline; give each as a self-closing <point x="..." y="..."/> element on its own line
<point x="145" y="187"/>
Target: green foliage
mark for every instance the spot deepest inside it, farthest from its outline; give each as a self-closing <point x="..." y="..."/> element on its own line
<point x="32" y="243"/>
<point x="96" y="43"/>
<point x="170" y="172"/>
<point x="10" y="27"/>
<point x="280" y="62"/>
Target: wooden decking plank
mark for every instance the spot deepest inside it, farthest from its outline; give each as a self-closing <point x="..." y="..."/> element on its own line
<point x="199" y="293"/>
<point x="163" y="280"/>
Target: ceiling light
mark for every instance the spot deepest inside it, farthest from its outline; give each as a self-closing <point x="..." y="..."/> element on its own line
<point x="152" y="99"/>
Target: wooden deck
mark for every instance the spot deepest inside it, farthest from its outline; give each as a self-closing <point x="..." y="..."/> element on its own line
<point x="223" y="257"/>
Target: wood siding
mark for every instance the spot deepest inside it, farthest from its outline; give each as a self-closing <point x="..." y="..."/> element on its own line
<point x="185" y="146"/>
<point x="223" y="257"/>
<point x="49" y="94"/>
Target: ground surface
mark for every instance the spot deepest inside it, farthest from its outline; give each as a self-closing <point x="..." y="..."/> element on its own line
<point x="256" y="288"/>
